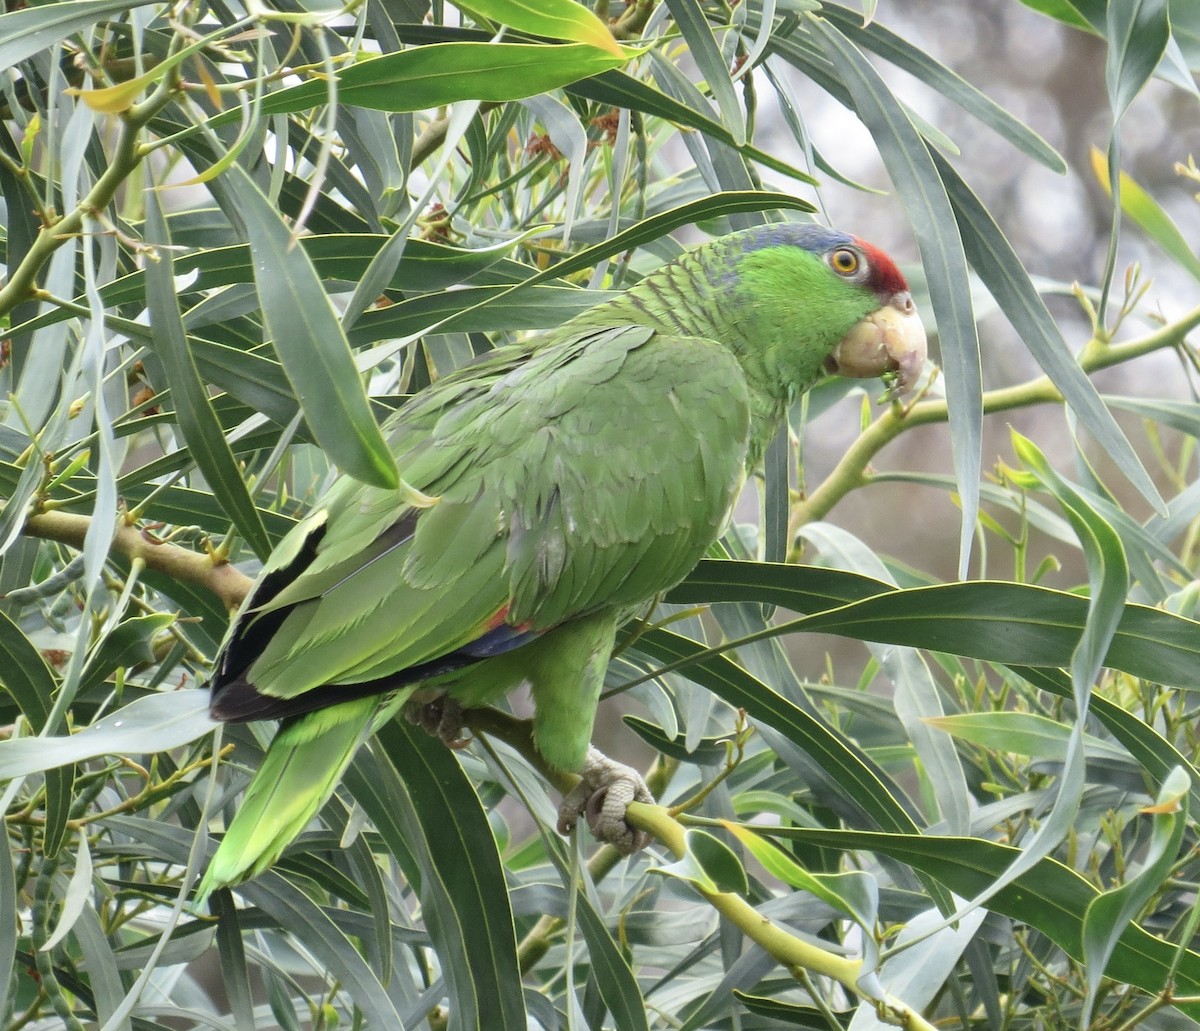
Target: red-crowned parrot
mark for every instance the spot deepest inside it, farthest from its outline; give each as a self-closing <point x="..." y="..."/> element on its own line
<point x="551" y="490"/>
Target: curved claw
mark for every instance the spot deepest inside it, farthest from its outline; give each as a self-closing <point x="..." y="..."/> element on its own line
<point x="602" y="795"/>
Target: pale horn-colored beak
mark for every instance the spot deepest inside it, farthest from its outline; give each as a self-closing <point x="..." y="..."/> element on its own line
<point x="891" y="340"/>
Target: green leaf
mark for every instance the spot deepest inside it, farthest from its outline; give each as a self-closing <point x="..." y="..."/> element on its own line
<point x="1145" y="211"/>
<point x="1023" y="733"/>
<point x="1138" y="32"/>
<point x="10" y="922"/>
<point x="333" y="952"/>
<point x="616" y="982"/>
<point x="1060" y="10"/>
<point x="900" y="52"/>
<point x="708" y="751"/>
<point x="235" y="978"/>
<point x="129" y="643"/>
<point x="193" y="409"/>
<point x="708" y="864"/>
<point x="1052" y="898"/>
<point x="1157" y="756"/>
<point x="702" y="46"/>
<point x="25" y="675"/>
<point x="851" y="893"/>
<point x="428" y="800"/>
<point x="1108" y="569"/>
<point x="927" y="205"/>
<point x="342" y="256"/>
<point x="791" y="1015"/>
<point x="557" y="19"/>
<point x="154" y="723"/>
<point x="310" y="343"/>
<point x="77" y="895"/>
<point x="867" y="785"/>
<point x="618" y="89"/>
<point x="444" y="73"/>
<point x="1180" y="415"/>
<point x="25" y="32"/>
<point x="998" y="265"/>
<point x="1011" y="623"/>
<point x="1110" y="914"/>
<point x="720" y="863"/>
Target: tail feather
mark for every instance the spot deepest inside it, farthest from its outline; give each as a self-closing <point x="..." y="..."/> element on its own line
<point x="302" y="767"/>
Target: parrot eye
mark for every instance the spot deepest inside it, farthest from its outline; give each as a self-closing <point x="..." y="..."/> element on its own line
<point x="845" y="261"/>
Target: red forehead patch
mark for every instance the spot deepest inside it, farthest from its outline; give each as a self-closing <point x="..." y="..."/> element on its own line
<point x="885" y="277"/>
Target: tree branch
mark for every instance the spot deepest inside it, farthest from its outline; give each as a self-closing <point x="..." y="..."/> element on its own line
<point x="853" y="470"/>
<point x="210" y="572"/>
<point x="126" y="156"/>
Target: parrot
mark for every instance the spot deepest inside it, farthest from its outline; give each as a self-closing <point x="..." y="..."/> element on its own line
<point x="551" y="490"/>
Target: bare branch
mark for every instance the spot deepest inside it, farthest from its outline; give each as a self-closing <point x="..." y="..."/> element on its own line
<point x="210" y="572"/>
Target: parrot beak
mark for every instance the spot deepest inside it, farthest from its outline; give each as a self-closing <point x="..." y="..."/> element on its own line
<point x="889" y="341"/>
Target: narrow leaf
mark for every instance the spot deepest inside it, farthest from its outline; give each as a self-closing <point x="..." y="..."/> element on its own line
<point x="26" y="31"/>
<point x="444" y="73"/>
<point x="557" y="19"/>
<point x="1145" y="211"/>
<point x="310" y="343"/>
<point x="1138" y="32"/>
<point x="1012" y="623"/>
<point x="1001" y="270"/>
<point x="865" y="783"/>
<point x="901" y="52"/>
<point x="1110" y="914"/>
<point x="76" y="897"/>
<point x="154" y="723"/>
<point x="702" y="45"/>
<point x="437" y="812"/>
<point x="616" y="982"/>
<point x="1022" y="733"/>
<point x="193" y="409"/>
<point x="1052" y="898"/>
<point x="928" y="208"/>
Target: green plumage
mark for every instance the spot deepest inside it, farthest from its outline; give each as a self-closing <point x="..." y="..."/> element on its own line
<point x="550" y="489"/>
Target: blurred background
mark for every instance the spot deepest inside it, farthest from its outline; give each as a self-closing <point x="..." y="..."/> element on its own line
<point x="1052" y="78"/>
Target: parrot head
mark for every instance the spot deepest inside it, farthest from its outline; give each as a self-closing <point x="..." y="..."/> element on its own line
<point x="817" y="298"/>
<point x="889" y="341"/>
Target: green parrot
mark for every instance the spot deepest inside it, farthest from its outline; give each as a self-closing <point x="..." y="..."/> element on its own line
<point x="551" y="490"/>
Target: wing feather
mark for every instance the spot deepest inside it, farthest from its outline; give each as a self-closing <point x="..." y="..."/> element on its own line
<point x="586" y="473"/>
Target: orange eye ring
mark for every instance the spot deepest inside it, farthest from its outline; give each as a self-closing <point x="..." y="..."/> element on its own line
<point x="844" y="261"/>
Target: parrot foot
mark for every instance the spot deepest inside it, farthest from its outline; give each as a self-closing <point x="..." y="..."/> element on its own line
<point x="602" y="795"/>
<point x="442" y="717"/>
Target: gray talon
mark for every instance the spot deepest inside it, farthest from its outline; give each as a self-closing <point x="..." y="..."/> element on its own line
<point x="602" y="795"/>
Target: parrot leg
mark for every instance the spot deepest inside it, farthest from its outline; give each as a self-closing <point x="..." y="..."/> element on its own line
<point x="603" y="794"/>
<point x="442" y="717"/>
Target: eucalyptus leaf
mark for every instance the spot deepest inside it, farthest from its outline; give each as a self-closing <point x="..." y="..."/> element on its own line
<point x="154" y="723"/>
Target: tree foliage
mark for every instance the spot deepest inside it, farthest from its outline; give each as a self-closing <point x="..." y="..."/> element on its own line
<point x="236" y="237"/>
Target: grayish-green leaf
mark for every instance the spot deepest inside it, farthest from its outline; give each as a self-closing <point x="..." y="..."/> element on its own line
<point x="26" y="31"/>
<point x="154" y="723"/>
<point x="925" y="201"/>
<point x="197" y="421"/>
<point x="311" y="345"/>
